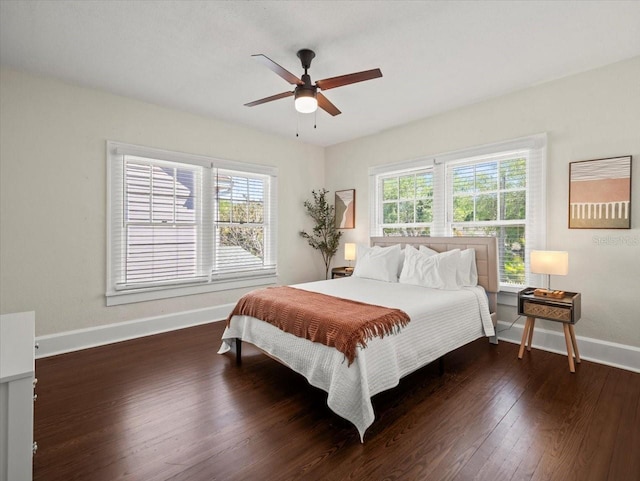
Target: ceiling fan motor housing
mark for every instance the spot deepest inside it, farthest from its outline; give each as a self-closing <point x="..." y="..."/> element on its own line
<point x="305" y="93"/>
<point x="306" y="56"/>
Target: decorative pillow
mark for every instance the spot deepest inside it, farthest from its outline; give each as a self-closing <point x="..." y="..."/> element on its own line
<point x="401" y="262"/>
<point x="420" y="269"/>
<point x="428" y="251"/>
<point x="379" y="263"/>
<point x="467" y="270"/>
<point x="438" y="271"/>
<point x="448" y="262"/>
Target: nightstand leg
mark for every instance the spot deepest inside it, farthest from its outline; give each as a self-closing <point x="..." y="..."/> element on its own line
<point x="531" y="328"/>
<point x="567" y="340"/>
<point x="574" y="342"/>
<point x="525" y="336"/>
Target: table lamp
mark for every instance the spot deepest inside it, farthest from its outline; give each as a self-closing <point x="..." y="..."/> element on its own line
<point x="550" y="263"/>
<point x="349" y="254"/>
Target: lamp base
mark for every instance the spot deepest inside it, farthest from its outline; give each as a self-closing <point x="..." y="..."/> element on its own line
<point x="548" y="293"/>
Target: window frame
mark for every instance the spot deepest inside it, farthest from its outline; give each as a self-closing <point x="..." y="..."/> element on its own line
<point x="400" y="225"/>
<point x="533" y="147"/>
<point x="212" y="282"/>
<point x="497" y="223"/>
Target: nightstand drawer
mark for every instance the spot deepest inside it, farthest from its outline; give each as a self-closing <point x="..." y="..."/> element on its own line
<point x="337" y="272"/>
<point x="564" y="309"/>
<point x="546" y="311"/>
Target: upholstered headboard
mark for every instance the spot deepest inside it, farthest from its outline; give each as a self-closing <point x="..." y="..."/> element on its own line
<point x="486" y="256"/>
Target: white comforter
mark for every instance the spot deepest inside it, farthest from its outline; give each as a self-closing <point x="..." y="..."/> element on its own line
<point x="441" y="321"/>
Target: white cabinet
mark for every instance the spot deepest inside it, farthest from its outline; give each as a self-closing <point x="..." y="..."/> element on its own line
<point x="17" y="368"/>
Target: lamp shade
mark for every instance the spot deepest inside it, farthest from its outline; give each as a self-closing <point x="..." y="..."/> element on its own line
<point x="305" y="101"/>
<point x="554" y="263"/>
<point x="349" y="252"/>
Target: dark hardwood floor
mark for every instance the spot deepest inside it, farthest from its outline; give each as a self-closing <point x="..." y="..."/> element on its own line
<point x="167" y="407"/>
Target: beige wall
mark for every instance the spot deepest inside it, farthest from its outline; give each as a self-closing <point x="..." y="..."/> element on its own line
<point x="53" y="196"/>
<point x="587" y="116"/>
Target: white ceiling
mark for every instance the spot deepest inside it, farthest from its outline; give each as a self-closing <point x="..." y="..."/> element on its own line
<point x="196" y="55"/>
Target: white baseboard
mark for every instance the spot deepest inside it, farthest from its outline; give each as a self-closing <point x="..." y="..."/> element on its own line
<point x="70" y="341"/>
<point x="602" y="352"/>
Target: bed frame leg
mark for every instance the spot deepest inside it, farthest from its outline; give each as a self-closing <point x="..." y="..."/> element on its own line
<point x="494" y="319"/>
<point x="238" y="351"/>
<point x="441" y="365"/>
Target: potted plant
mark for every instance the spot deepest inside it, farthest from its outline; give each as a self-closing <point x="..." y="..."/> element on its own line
<point x="324" y="237"/>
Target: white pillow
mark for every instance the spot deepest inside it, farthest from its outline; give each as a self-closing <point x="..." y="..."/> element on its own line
<point x="428" y="251"/>
<point x="448" y="262"/>
<point x="438" y="271"/>
<point x="420" y="270"/>
<point x="401" y="262"/>
<point x="467" y="270"/>
<point x="379" y="263"/>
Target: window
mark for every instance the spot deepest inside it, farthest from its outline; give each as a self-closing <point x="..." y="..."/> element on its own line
<point x="182" y="224"/>
<point x="488" y="198"/>
<point x="407" y="203"/>
<point x="494" y="190"/>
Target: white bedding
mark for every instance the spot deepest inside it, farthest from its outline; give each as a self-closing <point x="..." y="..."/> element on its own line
<point x="441" y="321"/>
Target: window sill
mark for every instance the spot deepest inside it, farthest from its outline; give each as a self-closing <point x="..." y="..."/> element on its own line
<point x="129" y="297"/>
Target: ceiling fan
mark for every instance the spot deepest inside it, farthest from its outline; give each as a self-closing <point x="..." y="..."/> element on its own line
<point x="307" y="97"/>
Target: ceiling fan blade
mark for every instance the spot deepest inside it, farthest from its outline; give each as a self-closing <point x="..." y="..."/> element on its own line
<point x="269" y="99"/>
<point x="324" y="104"/>
<point x="333" y="82"/>
<point x="283" y="72"/>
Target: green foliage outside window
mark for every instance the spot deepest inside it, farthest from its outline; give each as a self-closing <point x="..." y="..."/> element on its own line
<point x="251" y="239"/>
<point x="240" y="216"/>
<point x="511" y="244"/>
<point x="406" y="231"/>
<point x="407" y="199"/>
<point x="494" y="192"/>
<point x="487" y="199"/>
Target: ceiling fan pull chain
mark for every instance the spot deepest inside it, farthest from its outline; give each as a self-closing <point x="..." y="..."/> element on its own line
<point x="297" y="123"/>
<point x="315" y="119"/>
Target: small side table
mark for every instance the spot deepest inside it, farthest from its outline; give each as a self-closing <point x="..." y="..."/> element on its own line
<point x="565" y="310"/>
<point x="341" y="272"/>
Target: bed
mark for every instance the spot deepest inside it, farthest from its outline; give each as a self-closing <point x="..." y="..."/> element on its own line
<point x="440" y="322"/>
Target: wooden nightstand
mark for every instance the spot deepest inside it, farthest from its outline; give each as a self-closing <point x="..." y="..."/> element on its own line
<point x="341" y="272"/>
<point x="565" y="310"/>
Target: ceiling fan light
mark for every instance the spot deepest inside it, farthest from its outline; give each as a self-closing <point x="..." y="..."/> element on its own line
<point x="306" y="101"/>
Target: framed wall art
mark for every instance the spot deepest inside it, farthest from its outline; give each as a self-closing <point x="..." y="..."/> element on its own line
<point x="600" y="193"/>
<point x="346" y="209"/>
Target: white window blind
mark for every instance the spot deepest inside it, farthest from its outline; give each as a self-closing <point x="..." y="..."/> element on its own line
<point x="178" y="220"/>
<point x="407" y="203"/>
<point x="241" y="223"/>
<point x="492" y="190"/>
<point x="487" y="197"/>
<point x="162" y="222"/>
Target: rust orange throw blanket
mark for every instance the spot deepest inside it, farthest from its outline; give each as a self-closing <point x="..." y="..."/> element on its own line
<point x="335" y="322"/>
